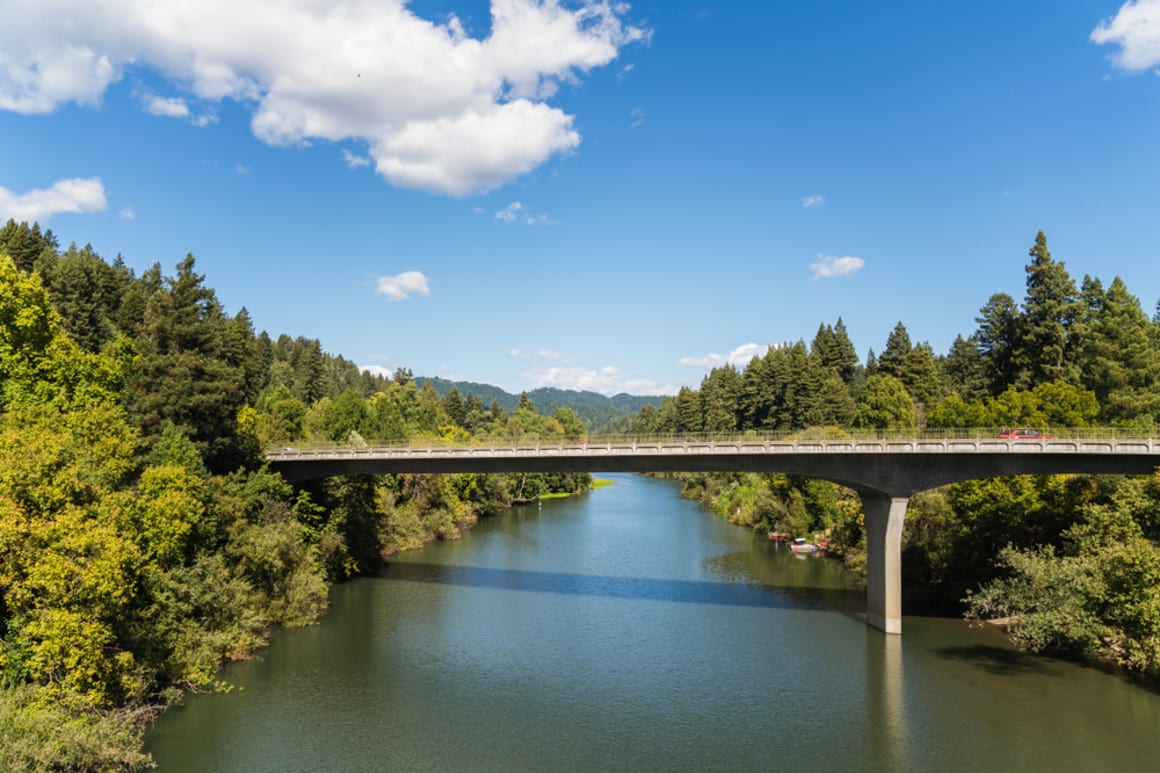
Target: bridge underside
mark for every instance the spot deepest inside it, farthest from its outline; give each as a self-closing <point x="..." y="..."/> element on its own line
<point x="885" y="482"/>
<point x="891" y="474"/>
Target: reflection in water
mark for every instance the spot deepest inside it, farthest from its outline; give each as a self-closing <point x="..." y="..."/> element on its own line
<point x="628" y="630"/>
<point x="638" y="588"/>
<point x="887" y="700"/>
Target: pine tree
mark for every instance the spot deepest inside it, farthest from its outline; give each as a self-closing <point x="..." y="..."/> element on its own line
<point x="1120" y="360"/>
<point x="964" y="369"/>
<point x="997" y="340"/>
<point x="1046" y="341"/>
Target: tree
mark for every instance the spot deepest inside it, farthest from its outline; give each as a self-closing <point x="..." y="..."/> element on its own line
<point x="997" y="340"/>
<point x="39" y="363"/>
<point x="308" y="377"/>
<point x="570" y="423"/>
<point x="1121" y="363"/>
<point x="186" y="374"/>
<point x="891" y="362"/>
<point x="25" y="244"/>
<point x="965" y="370"/>
<point x="885" y="404"/>
<point x="720" y="397"/>
<point x="1046" y="339"/>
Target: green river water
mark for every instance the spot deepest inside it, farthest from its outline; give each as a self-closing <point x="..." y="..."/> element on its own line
<point x="627" y="629"/>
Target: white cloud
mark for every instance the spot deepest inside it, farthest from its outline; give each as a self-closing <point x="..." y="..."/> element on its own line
<point x="377" y="370"/>
<point x="170" y="107"/>
<point x="828" y="266"/>
<point x="637" y="115"/>
<point x="354" y="161"/>
<point x="739" y="356"/>
<point x="76" y="195"/>
<point x="439" y="110"/>
<point x="241" y="169"/>
<point x="402" y="286"/>
<point x="1136" y="30"/>
<point x="813" y="201"/>
<point x="127" y="213"/>
<point x="543" y="355"/>
<point x="607" y="380"/>
<point x="509" y="213"/>
<point x="518" y="212"/>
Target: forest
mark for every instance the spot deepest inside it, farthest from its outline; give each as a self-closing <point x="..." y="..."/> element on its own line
<point x="1069" y="564"/>
<point x="142" y="540"/>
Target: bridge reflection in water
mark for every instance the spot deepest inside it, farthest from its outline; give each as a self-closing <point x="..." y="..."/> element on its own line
<point x="885" y="472"/>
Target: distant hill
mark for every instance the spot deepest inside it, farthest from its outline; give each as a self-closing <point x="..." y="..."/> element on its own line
<point x="598" y="411"/>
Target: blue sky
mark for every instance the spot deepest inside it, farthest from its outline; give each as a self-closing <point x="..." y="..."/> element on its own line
<point x="590" y="195"/>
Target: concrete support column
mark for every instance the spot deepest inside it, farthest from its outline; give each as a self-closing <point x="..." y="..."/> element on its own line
<point x="884" y="516"/>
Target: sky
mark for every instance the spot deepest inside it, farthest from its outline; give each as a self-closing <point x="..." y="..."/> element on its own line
<point x="590" y="194"/>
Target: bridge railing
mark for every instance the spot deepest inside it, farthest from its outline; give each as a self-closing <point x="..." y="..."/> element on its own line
<point x="813" y="435"/>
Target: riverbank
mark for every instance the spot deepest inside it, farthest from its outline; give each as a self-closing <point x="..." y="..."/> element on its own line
<point x="560" y="638"/>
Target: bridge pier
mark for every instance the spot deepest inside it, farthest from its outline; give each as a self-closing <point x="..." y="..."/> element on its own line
<point x="884" y="517"/>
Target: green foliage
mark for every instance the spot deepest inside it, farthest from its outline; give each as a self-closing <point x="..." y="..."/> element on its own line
<point x="1046" y="334"/>
<point x="39" y="363"/>
<point x="38" y="735"/>
<point x="885" y="404"/>
<point x="1049" y="602"/>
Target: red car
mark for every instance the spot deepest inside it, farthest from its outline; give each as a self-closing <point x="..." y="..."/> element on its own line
<point x="1024" y="434"/>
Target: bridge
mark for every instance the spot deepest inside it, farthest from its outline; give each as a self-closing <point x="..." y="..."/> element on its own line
<point x="885" y="471"/>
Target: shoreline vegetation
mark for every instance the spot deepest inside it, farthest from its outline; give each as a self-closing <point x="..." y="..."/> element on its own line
<point x="1070" y="562"/>
<point x="143" y="542"/>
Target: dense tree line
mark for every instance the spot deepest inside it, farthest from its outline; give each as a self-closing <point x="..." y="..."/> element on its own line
<point x="1072" y="563"/>
<point x="142" y="540"/>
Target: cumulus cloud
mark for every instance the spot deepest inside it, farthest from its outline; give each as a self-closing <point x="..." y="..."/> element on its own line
<point x="1136" y="30"/>
<point x="402" y="286"/>
<point x="354" y="161"/>
<point x="76" y="196"/>
<point x="170" y="107"/>
<point x="127" y="213"/>
<point x="813" y="201"/>
<point x="607" y="380"/>
<point x="828" y="266"/>
<point x="739" y="356"/>
<point x="377" y="370"/>
<point x="439" y="110"/>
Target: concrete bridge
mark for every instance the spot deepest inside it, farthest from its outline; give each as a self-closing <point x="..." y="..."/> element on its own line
<point x="884" y="472"/>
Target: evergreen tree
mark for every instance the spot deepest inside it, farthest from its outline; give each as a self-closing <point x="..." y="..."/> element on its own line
<point x="965" y="370"/>
<point x="185" y="374"/>
<point x="455" y="407"/>
<point x="898" y="346"/>
<point x="1121" y="363"/>
<point x="309" y="380"/>
<point x="25" y="244"/>
<point x="720" y="397"/>
<point x="1046" y="339"/>
<point x="997" y="340"/>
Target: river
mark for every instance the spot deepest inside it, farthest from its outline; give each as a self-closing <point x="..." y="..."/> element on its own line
<point x="628" y="629"/>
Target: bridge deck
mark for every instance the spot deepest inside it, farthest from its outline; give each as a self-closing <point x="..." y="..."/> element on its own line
<point x="885" y="472"/>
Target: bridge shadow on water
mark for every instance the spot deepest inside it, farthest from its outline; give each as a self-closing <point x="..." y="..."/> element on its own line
<point x="633" y="588"/>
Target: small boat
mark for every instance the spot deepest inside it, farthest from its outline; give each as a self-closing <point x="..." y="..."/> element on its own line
<point x="778" y="536"/>
<point x="800" y="545"/>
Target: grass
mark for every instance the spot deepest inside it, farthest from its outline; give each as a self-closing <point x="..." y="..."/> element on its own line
<point x="596" y="483"/>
